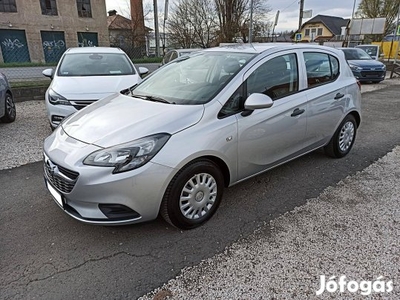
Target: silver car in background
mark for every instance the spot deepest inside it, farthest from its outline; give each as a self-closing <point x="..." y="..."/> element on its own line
<point x="178" y="139"/>
<point x="85" y="75"/>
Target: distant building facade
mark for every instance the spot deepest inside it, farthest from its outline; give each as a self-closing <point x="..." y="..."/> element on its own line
<point x="123" y="35"/>
<point x="41" y="30"/>
<point x="323" y="28"/>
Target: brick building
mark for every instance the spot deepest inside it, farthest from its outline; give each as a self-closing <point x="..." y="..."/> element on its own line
<point x="41" y="30"/>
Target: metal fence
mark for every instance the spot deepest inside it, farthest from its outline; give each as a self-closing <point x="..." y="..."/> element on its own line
<point x="17" y="65"/>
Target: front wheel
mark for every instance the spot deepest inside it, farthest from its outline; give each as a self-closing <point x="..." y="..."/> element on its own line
<point x="10" y="111"/>
<point x="343" y="139"/>
<point x="193" y="195"/>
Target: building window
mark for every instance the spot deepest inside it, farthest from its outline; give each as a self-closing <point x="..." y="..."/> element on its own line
<point x="84" y="8"/>
<point x="319" y="32"/>
<point x="8" y="6"/>
<point x="307" y="33"/>
<point x="49" y="7"/>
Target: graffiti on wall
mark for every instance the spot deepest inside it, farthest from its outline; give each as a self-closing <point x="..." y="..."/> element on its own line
<point x="53" y="44"/>
<point x="86" y="43"/>
<point x="12" y="44"/>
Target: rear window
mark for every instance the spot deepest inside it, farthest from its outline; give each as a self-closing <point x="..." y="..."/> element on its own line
<point x="95" y="64"/>
<point x="321" y="68"/>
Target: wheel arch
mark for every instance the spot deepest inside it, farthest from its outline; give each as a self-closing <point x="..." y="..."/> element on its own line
<point x="356" y="116"/>
<point x="221" y="165"/>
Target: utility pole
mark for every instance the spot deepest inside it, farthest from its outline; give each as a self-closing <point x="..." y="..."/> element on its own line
<point x="165" y="20"/>
<point x="156" y="31"/>
<point x="251" y="21"/>
<point x="301" y="14"/>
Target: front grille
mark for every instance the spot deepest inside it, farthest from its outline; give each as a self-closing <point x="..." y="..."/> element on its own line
<point x="61" y="178"/>
<point x="79" y="104"/>
<point x="372" y="73"/>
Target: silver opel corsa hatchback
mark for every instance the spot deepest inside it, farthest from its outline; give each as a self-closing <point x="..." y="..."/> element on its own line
<point x="199" y="124"/>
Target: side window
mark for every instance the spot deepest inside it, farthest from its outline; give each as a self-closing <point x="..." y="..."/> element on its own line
<point x="234" y="104"/>
<point x="321" y="68"/>
<point x="276" y="78"/>
<point x="173" y="55"/>
<point x="334" y="66"/>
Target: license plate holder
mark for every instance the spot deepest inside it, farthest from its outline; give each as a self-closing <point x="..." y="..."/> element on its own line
<point x="56" y="195"/>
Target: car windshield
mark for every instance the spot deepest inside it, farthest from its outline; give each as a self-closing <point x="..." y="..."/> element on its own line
<point x="192" y="79"/>
<point x="95" y="64"/>
<point x="356" y="54"/>
<point x="371" y="50"/>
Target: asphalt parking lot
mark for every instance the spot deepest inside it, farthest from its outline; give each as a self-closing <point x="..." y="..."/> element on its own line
<point x="310" y="219"/>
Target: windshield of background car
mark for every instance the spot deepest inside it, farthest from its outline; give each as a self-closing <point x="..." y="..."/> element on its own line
<point x="193" y="79"/>
<point x="95" y="64"/>
<point x="356" y="54"/>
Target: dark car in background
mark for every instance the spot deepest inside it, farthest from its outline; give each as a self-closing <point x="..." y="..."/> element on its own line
<point x="7" y="105"/>
<point x="364" y="68"/>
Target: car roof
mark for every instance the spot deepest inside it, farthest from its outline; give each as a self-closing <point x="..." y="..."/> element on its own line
<point x="94" y="50"/>
<point x="263" y="47"/>
<point x="366" y="45"/>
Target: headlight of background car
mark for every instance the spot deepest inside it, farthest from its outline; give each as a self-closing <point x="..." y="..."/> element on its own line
<point x="130" y="155"/>
<point x="55" y="98"/>
<point x="355" y="68"/>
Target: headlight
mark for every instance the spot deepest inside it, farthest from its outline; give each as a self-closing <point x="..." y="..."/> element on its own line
<point x="130" y="155"/>
<point x="56" y="99"/>
<point x="355" y="68"/>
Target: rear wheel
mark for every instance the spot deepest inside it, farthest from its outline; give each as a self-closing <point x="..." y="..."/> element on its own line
<point x="10" y="111"/>
<point x="343" y="139"/>
<point x="193" y="195"/>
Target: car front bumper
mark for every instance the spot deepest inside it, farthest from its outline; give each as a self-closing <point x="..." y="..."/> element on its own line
<point x="365" y="76"/>
<point x="94" y="195"/>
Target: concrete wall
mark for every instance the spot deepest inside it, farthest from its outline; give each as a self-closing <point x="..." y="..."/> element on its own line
<point x="29" y="18"/>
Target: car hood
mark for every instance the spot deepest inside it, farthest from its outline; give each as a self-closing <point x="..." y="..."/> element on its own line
<point x="92" y="87"/>
<point x="369" y="63"/>
<point x="119" y="119"/>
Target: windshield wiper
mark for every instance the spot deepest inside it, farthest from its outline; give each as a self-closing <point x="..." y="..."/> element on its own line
<point x="152" y="98"/>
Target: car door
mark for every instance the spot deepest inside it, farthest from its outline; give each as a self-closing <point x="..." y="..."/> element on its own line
<point x="326" y="97"/>
<point x="271" y="136"/>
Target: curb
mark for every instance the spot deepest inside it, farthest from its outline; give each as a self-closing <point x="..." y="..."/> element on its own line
<point x="28" y="93"/>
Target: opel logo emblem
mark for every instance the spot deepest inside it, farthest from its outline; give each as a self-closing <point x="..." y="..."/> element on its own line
<point x="51" y="167"/>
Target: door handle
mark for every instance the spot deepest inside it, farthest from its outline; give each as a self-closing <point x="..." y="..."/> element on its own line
<point x="338" y="96"/>
<point x="297" y="112"/>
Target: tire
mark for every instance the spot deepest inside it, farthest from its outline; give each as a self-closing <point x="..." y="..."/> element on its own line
<point x="10" y="111"/>
<point x="193" y="195"/>
<point x="343" y="139"/>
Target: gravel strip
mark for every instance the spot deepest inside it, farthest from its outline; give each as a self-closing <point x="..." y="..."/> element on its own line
<point x="351" y="229"/>
<point x="21" y="142"/>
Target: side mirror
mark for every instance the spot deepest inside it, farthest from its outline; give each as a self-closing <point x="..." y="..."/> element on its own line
<point x="48" y="73"/>
<point x="143" y="70"/>
<point x="258" y="101"/>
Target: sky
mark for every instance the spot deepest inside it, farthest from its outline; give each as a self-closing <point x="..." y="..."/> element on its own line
<point x="289" y="10"/>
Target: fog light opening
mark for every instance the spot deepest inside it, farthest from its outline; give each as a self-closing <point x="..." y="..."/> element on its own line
<point x="118" y="212"/>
